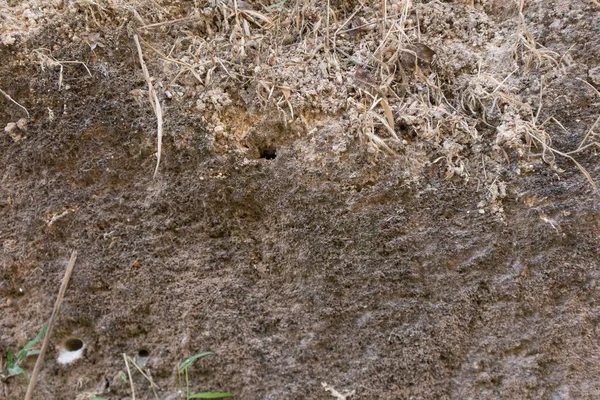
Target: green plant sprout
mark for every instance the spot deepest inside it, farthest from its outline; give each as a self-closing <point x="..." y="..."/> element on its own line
<point x="123" y="376"/>
<point x="14" y="363"/>
<point x="183" y="369"/>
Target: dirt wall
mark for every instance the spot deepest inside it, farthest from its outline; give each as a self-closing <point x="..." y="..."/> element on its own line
<point x="442" y="246"/>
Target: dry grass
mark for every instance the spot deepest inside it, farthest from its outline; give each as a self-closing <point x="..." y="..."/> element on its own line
<point x="533" y="54"/>
<point x="540" y="136"/>
<point x="155" y="104"/>
<point x="47" y="61"/>
<point x="376" y="64"/>
<point x="14" y="102"/>
<point x="129" y="375"/>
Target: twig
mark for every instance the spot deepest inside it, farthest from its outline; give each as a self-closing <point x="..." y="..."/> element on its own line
<point x="175" y="21"/>
<point x="57" y="304"/>
<point x="155" y="104"/>
<point x="148" y="378"/>
<point x="504" y="80"/>
<point x="546" y="147"/>
<point x="384" y="20"/>
<point x="130" y="380"/>
<point x="188" y="67"/>
<point x="11" y="99"/>
<point x="327" y="29"/>
<point x="581" y="146"/>
<point x="4" y="386"/>
<point x="590" y="85"/>
<point x="537" y="115"/>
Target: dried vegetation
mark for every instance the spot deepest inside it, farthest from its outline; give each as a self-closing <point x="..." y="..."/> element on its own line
<point x="404" y="78"/>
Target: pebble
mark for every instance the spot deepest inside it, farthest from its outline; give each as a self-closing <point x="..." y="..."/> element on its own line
<point x="10" y="127"/>
<point x="22" y="124"/>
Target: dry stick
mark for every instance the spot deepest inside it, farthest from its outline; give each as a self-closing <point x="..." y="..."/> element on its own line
<point x="537" y="115"/>
<point x="327" y="29"/>
<point x="545" y="146"/>
<point x="155" y="104"/>
<point x="165" y="57"/>
<point x="590" y="85"/>
<point x="581" y="146"/>
<point x="11" y="99"/>
<point x="175" y="21"/>
<point x="148" y="378"/>
<point x="418" y="24"/>
<point x="503" y="81"/>
<point x="57" y="304"/>
<point x="130" y="380"/>
<point x="4" y="386"/>
<point x="384" y="12"/>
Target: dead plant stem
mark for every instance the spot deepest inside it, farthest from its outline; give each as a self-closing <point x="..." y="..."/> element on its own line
<point x="14" y="101"/>
<point x="57" y="304"/>
<point x="155" y="104"/>
<point x="129" y="374"/>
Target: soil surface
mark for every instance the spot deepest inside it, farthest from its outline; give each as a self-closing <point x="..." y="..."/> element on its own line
<point x="437" y="244"/>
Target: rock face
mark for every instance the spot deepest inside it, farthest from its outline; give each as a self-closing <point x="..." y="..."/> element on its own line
<point x="319" y="220"/>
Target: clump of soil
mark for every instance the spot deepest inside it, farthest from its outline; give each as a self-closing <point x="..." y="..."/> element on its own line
<point x="397" y="199"/>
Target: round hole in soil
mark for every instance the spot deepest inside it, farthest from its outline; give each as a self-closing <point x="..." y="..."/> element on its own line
<point x="73" y="344"/>
<point x="70" y="350"/>
<point x="143" y="353"/>
<point x="268" y="153"/>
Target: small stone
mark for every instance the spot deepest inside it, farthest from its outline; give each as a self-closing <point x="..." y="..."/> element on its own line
<point x="10" y="128"/>
<point x="482" y="211"/>
<point x="22" y="124"/>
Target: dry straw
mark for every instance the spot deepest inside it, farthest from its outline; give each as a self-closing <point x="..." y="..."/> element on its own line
<point x="14" y="101"/>
<point x="55" y="311"/>
<point x="154" y="102"/>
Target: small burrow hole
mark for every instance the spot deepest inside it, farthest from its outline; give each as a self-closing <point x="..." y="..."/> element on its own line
<point x="268" y="153"/>
<point x="143" y="353"/>
<point x="73" y="344"/>
<point x="70" y="350"/>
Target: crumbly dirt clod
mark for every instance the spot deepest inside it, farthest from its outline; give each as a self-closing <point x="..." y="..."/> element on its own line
<point x="390" y="202"/>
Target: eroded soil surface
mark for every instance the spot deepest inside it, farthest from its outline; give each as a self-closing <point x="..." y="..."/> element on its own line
<point x="459" y="260"/>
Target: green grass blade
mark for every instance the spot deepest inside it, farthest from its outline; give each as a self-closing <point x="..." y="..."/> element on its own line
<point x="25" y="351"/>
<point x="184" y="365"/>
<point x="210" y="395"/>
<point x="21" y="355"/>
<point x="16" y="370"/>
<point x="9" y="358"/>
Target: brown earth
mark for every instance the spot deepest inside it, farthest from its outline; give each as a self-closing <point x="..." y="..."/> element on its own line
<point x="286" y="245"/>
